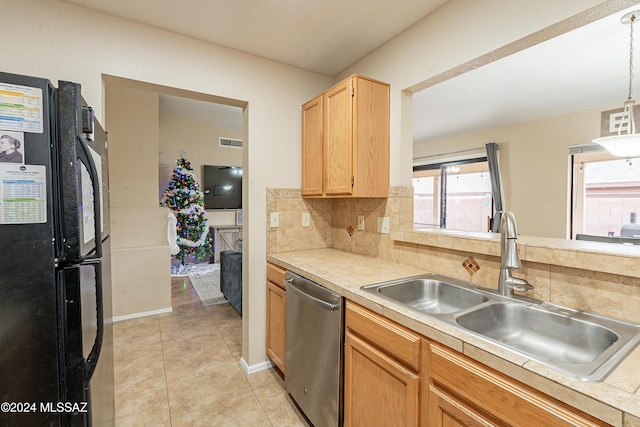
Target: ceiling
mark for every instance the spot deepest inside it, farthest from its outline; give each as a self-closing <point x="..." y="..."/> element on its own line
<point x="224" y="116"/>
<point x="585" y="68"/>
<point x="324" y="36"/>
<point x="582" y="69"/>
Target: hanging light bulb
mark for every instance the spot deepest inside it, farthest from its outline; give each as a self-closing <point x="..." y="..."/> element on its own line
<point x="627" y="142"/>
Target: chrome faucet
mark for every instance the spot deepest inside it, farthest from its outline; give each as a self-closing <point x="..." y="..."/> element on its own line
<point x="509" y="257"/>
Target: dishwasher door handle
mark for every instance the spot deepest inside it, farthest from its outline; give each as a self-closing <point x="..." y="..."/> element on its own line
<point x="311" y="298"/>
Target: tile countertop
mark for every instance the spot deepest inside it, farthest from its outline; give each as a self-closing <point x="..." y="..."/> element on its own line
<point x="616" y="400"/>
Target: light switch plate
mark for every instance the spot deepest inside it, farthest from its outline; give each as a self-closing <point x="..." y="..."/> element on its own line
<point x="361" y="222"/>
<point x="275" y="219"/>
<point x="306" y="219"/>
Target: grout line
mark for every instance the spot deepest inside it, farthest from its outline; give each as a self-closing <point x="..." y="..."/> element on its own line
<point x="165" y="345"/>
<point x="164" y="366"/>
<point x="261" y="405"/>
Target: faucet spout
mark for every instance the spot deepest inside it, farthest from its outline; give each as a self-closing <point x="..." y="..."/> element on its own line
<point x="510" y="260"/>
<point x="508" y="237"/>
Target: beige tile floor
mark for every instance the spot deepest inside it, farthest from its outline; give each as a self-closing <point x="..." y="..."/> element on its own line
<point x="182" y="369"/>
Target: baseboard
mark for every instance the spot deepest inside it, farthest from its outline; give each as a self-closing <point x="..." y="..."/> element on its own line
<point x="254" y="368"/>
<point x="142" y="314"/>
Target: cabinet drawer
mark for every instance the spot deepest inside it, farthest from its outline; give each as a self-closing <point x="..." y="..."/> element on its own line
<point x="501" y="397"/>
<point x="275" y="274"/>
<point x="390" y="337"/>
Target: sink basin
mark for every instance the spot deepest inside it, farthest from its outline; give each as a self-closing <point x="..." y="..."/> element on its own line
<point x="580" y="344"/>
<point x="547" y="336"/>
<point x="583" y="345"/>
<point x="429" y="295"/>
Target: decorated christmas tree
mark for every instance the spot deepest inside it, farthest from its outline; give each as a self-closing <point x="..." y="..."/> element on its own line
<point x="186" y="201"/>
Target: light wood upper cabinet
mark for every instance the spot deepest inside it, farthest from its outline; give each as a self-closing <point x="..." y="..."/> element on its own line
<point x="312" y="147"/>
<point x="338" y="141"/>
<point x="350" y="122"/>
<point x="276" y="315"/>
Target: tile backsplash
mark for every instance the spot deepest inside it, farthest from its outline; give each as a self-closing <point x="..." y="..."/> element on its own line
<point x="334" y="222"/>
<point x="612" y="291"/>
<point x="290" y="235"/>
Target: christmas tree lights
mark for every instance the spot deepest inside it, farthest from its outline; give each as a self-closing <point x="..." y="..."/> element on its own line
<point x="186" y="201"/>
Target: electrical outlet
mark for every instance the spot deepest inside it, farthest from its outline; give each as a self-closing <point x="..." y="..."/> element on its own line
<point x="383" y="224"/>
<point x="275" y="220"/>
<point x="306" y="219"/>
<point x="361" y="222"/>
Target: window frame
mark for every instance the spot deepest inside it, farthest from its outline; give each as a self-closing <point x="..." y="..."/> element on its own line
<point x="578" y="156"/>
<point x="440" y="190"/>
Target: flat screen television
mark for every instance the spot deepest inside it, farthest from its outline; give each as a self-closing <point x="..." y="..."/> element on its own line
<point x="222" y="187"/>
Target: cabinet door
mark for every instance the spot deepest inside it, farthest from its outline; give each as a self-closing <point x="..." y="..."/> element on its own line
<point x="446" y="411"/>
<point x="312" y="164"/>
<point x="378" y="391"/>
<point x="276" y="317"/>
<point x="337" y="139"/>
<point x="370" y="138"/>
<point x="500" y="397"/>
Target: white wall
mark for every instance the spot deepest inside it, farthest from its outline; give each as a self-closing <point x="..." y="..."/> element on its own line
<point x="199" y="140"/>
<point x="534" y="165"/>
<point x="138" y="225"/>
<point x="460" y="34"/>
<point x="57" y="40"/>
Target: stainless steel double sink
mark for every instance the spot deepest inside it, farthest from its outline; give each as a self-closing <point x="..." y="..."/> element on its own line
<point x="581" y="344"/>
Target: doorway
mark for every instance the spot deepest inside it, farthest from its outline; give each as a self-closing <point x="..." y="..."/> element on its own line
<point x="137" y="118"/>
<point x="209" y="137"/>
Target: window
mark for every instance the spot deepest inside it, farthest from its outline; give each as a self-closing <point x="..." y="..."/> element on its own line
<point x="425" y="191"/>
<point x="453" y="195"/>
<point x="605" y="195"/>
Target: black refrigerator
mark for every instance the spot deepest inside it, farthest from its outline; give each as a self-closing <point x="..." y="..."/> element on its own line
<point x="56" y="339"/>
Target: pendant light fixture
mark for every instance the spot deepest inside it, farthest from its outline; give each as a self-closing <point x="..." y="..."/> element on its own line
<point x="627" y="142"/>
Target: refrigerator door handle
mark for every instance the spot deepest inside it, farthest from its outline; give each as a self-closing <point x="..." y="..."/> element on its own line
<point x="87" y="159"/>
<point x="92" y="359"/>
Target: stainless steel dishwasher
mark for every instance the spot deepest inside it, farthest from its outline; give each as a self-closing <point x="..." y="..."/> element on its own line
<point x="313" y="353"/>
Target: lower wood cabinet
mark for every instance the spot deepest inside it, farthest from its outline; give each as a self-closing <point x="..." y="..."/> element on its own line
<point x="378" y="390"/>
<point x="446" y="411"/>
<point x="396" y="377"/>
<point x="382" y="384"/>
<point x="464" y="392"/>
<point x="276" y="315"/>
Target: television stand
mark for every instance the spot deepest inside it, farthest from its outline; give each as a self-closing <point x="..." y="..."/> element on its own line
<point x="224" y="238"/>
